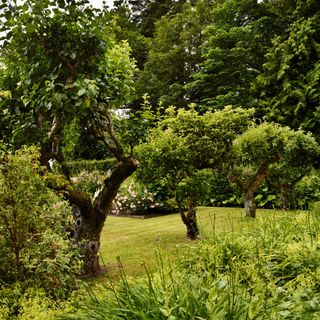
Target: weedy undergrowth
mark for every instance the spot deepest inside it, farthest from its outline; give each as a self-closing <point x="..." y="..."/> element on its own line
<point x="268" y="268"/>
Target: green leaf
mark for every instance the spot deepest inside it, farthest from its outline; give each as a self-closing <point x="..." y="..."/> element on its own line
<point x="81" y="92"/>
<point x="61" y="4"/>
<point x="87" y="102"/>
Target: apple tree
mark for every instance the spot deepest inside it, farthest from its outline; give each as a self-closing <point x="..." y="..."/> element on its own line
<point x="260" y="147"/>
<point x="61" y="69"/>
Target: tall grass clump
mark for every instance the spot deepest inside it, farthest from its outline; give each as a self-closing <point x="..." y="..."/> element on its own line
<point x="265" y="269"/>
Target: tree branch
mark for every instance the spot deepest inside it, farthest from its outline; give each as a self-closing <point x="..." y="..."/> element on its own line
<point x="102" y="204"/>
<point x="77" y="197"/>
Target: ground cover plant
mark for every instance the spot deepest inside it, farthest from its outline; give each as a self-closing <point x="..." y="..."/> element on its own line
<point x="263" y="269"/>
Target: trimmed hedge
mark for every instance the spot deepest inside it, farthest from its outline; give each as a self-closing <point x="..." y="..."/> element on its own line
<point x="79" y="166"/>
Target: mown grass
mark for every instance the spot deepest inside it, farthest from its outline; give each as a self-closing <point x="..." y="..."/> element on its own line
<point x="135" y="241"/>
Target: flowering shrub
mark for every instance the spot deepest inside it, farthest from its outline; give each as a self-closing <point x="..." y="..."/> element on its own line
<point x="90" y="182"/>
<point x="134" y="198"/>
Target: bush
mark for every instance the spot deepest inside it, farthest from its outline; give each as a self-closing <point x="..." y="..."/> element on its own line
<point x="308" y="190"/>
<point x="35" y="251"/>
<point x="135" y="198"/>
<point x="90" y="182"/>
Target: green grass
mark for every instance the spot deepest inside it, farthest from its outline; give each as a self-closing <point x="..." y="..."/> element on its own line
<point x="267" y="268"/>
<point x="135" y="241"/>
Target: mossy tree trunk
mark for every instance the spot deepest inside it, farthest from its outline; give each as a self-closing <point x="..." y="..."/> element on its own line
<point x="190" y="219"/>
<point x="250" y="185"/>
<point x="91" y="214"/>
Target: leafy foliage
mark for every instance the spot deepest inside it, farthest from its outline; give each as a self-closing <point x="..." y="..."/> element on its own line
<point x="65" y="75"/>
<point x="233" y="53"/>
<point x="64" y="68"/>
<point x="185" y="141"/>
<point x="261" y="146"/>
<point x="145" y="13"/>
<point x="34" y="224"/>
<point x="174" y="56"/>
<point x="308" y="191"/>
<point x="289" y="86"/>
<point x="182" y="150"/>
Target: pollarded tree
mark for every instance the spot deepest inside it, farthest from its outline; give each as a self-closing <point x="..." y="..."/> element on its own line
<point x="62" y="66"/>
<point x="300" y="158"/>
<point x="261" y="146"/>
<point x="167" y="159"/>
<point x="184" y="149"/>
<point x="284" y="177"/>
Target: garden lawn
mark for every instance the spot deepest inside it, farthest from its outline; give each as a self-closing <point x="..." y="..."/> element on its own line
<point x="135" y="241"/>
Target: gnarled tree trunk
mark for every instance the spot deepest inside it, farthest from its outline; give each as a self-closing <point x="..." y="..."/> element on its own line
<point x="91" y="215"/>
<point x="250" y="186"/>
<point x="249" y="204"/>
<point x="91" y="225"/>
<point x="190" y="219"/>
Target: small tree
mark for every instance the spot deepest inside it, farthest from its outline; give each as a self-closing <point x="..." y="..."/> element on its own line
<point x="258" y="148"/>
<point x="302" y="152"/>
<point x="284" y="178"/>
<point x="181" y="149"/>
<point x="166" y="158"/>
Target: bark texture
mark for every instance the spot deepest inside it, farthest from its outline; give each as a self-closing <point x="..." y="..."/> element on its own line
<point x="190" y="219"/>
<point x="250" y="186"/>
<point x="249" y="204"/>
<point x="90" y="215"/>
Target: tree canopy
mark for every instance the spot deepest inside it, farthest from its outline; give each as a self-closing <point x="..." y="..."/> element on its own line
<point x="184" y="149"/>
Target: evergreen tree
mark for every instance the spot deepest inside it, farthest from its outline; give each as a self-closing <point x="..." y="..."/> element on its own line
<point x="289" y="88"/>
<point x="233" y="53"/>
<point x="174" y="55"/>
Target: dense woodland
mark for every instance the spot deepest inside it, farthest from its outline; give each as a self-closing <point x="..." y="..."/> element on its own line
<point x="149" y="107"/>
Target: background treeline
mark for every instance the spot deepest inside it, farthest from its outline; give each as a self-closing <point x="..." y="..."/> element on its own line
<point x="245" y="53"/>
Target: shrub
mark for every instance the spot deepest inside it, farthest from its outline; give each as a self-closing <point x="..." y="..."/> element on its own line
<point x="34" y="247"/>
<point x="308" y="190"/>
<point x="90" y="181"/>
<point x="135" y="198"/>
